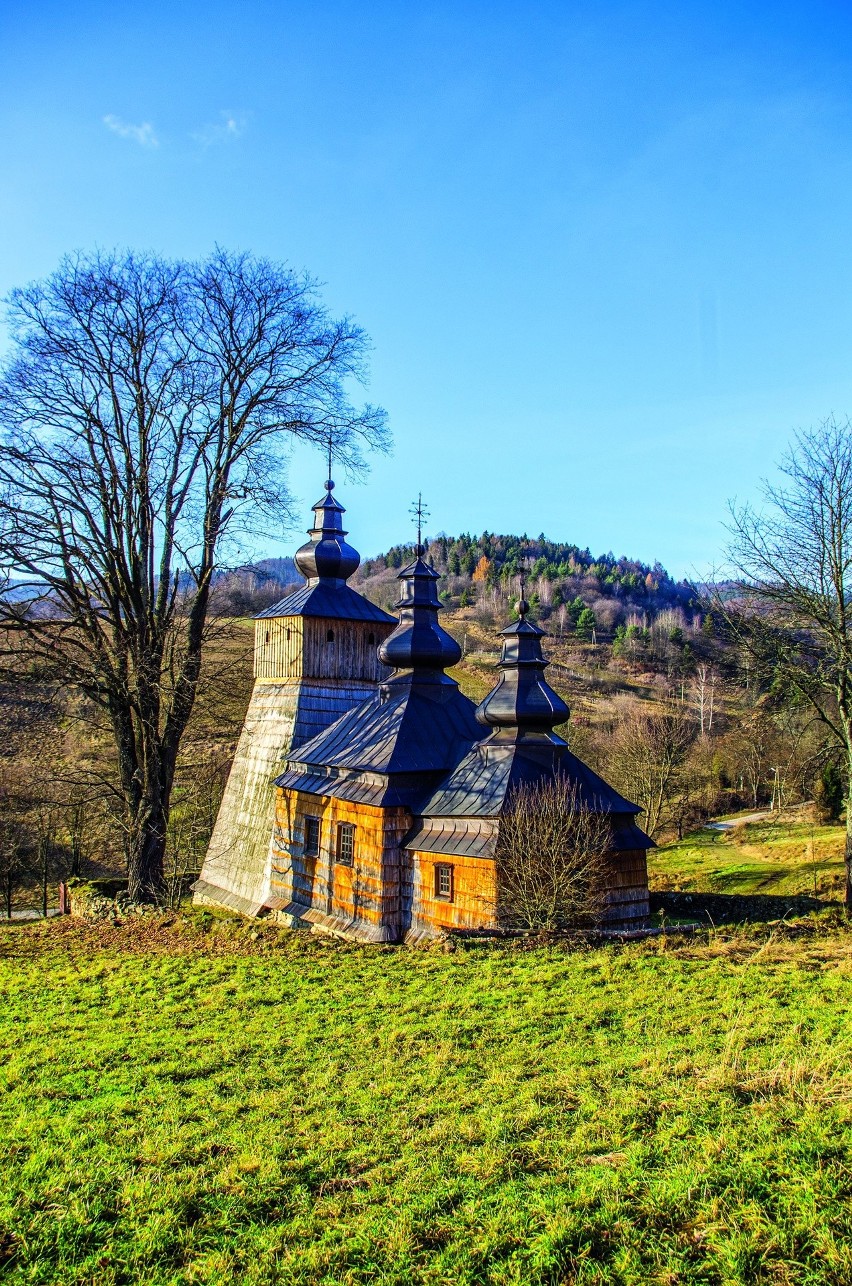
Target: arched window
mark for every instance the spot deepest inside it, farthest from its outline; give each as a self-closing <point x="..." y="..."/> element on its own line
<point x="329" y="638"/>
<point x="266" y="638"/>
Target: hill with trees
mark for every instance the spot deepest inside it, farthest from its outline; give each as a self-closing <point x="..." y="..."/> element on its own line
<point x="562" y="581"/>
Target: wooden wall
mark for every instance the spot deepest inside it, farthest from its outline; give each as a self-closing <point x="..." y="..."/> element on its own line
<point x="369" y="890"/>
<point x="390" y="893"/>
<point x="474" y="894"/>
<point x="627" y="888"/>
<point x="292" y="647"/>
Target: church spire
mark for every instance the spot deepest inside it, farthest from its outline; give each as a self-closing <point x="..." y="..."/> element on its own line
<point x="419" y="644"/>
<point x="326" y="558"/>
<point x="523" y="703"/>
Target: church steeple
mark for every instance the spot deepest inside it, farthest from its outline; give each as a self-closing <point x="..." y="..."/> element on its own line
<point x="419" y="644"/>
<point x="327" y="558"/>
<point x="523" y="704"/>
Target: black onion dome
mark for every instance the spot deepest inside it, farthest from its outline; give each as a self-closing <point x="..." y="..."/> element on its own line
<point x="523" y="701"/>
<point x="327" y="557"/>
<point x="419" y="643"/>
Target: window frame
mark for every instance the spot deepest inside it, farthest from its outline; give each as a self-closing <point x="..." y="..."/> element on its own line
<point x="309" y="818"/>
<point x="345" y="829"/>
<point x="441" y="869"/>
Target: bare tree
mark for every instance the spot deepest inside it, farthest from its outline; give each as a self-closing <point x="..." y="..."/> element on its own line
<point x="794" y="559"/>
<point x="703" y="693"/>
<point x="147" y="410"/>
<point x="14" y="869"/>
<point x="646" y="757"/>
<point x="550" y="858"/>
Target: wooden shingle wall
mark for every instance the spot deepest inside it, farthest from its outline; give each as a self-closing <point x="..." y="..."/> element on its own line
<point x="627" y="887"/>
<point x="288" y="647"/>
<point x="367" y="891"/>
<point x="474" y="892"/>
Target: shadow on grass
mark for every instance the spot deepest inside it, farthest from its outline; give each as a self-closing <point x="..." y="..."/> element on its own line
<point x="734" y="908"/>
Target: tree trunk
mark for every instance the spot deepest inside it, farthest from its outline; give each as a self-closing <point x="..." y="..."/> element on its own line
<point x="146" y="854"/>
<point x="848" y="898"/>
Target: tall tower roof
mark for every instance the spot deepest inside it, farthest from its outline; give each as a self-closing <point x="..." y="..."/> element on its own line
<point x="327" y="561"/>
<point x="326" y="556"/>
<point x="419" y="646"/>
<point x="523" y="704"/>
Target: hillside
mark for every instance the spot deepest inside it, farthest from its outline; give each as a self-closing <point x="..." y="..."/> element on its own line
<point x="561" y="580"/>
<point x="221" y="1102"/>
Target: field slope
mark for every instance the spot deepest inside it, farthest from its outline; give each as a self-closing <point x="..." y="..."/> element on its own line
<point x="195" y="1102"/>
<point x="785" y="856"/>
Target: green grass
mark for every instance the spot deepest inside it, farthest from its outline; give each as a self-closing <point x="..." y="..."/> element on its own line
<point x="780" y="857"/>
<point x="189" y="1107"/>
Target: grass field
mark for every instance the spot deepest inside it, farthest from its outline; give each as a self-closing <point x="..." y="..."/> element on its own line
<point x="785" y="856"/>
<point x="197" y="1101"/>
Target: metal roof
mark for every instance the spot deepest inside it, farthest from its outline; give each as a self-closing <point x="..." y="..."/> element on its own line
<point x="463" y="838"/>
<point x="480" y="784"/>
<point x="408" y="727"/>
<point x="331" y="602"/>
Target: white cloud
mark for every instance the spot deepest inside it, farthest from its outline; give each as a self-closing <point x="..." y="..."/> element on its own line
<point x="230" y="125"/>
<point x="142" y="134"/>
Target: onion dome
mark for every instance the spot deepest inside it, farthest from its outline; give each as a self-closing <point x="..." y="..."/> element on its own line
<point x="326" y="557"/>
<point x="419" y="643"/>
<point x="523" y="701"/>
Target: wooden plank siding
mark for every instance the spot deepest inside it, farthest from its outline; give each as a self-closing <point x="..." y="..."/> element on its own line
<point x="290" y="647"/>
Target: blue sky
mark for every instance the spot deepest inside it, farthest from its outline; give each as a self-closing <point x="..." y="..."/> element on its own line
<point x="603" y="250"/>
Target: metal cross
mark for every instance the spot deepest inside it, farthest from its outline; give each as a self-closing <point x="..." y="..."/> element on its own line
<point x="330" y="451"/>
<point x="418" y="513"/>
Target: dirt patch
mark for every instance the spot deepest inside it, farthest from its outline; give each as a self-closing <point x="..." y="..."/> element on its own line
<point x="170" y="933"/>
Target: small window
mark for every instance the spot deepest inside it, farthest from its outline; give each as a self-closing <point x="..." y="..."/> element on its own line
<point x="312" y="836"/>
<point x="288" y="636"/>
<point x="371" y="638"/>
<point x="266" y="637"/>
<point x="329" y="638"/>
<point x="444" y="881"/>
<point x="345" y="843"/>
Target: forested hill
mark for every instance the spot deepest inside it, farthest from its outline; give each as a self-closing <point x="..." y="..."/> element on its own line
<point x="561" y="579"/>
<point x="563" y="582"/>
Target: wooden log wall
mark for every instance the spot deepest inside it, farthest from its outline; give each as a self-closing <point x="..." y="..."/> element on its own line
<point x="368" y="891"/>
<point x="388" y="892"/>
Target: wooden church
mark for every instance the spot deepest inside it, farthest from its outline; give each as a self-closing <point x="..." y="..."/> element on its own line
<point x="367" y="790"/>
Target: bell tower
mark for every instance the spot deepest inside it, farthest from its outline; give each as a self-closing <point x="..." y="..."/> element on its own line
<point x="315" y="657"/>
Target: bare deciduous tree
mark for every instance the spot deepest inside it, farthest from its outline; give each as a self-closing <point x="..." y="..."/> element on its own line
<point x="147" y="408"/>
<point x="647" y="753"/>
<point x="551" y="858"/>
<point x="794" y="559"/>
